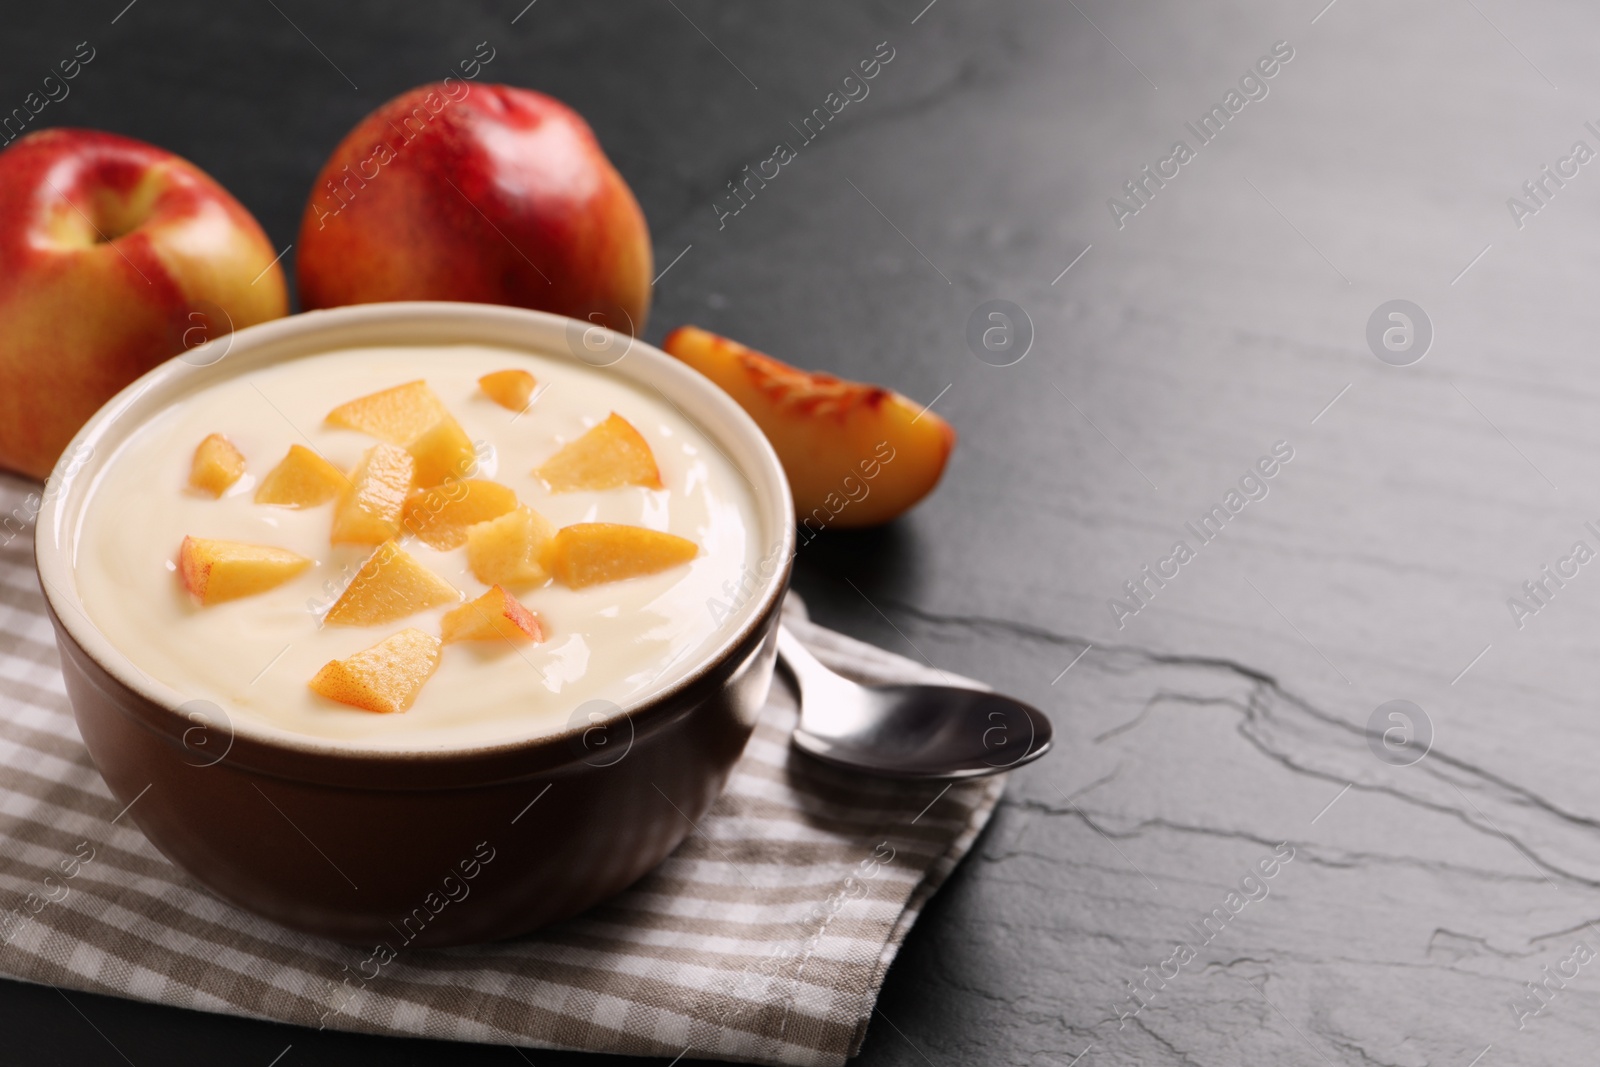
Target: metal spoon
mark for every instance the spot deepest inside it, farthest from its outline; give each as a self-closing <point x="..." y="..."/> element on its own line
<point x="909" y="731"/>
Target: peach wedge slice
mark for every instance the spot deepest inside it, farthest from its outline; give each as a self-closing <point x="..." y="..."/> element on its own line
<point x="217" y="465"/>
<point x="509" y="388"/>
<point x="496" y="615"/>
<point x="507" y="550"/>
<point x="214" y="571"/>
<point x="398" y="416"/>
<point x="302" y="479"/>
<point x="855" y="454"/>
<point x="370" y="510"/>
<point x="384" y="678"/>
<point x="390" y="585"/>
<point x="440" y="517"/>
<point x="590" y="553"/>
<point x="611" y="454"/>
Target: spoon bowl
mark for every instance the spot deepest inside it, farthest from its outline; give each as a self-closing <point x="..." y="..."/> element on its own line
<point x="909" y="731"/>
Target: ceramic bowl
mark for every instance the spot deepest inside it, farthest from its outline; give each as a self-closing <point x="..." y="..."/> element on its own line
<point x="426" y="847"/>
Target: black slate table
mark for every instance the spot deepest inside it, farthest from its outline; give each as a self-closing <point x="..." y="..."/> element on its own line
<point x="1188" y="319"/>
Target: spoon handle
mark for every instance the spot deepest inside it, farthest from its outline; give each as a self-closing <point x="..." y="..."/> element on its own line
<point x="813" y="677"/>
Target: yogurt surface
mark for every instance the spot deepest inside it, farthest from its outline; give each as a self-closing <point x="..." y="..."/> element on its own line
<point x="619" y="642"/>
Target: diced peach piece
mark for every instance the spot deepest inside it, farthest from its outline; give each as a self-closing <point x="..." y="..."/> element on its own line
<point x="590" y="553"/>
<point x="390" y="585"/>
<point x="835" y="438"/>
<point x="496" y="615"/>
<point x="302" y="479"/>
<point x="509" y="388"/>
<point x="398" y="416"/>
<point x="217" y="465"/>
<point x="440" y="516"/>
<point x="611" y="454"/>
<point x="507" y="550"/>
<point x="443" y="453"/>
<point x="384" y="678"/>
<point x="214" y="571"/>
<point x="370" y="510"/>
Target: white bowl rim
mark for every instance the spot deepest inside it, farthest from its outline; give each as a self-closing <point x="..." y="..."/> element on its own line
<point x="712" y="411"/>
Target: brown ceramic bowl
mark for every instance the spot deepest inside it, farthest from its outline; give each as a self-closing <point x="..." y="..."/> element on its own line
<point x="422" y="847"/>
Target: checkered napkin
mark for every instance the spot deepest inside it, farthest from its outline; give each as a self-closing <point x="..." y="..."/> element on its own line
<point x="763" y="938"/>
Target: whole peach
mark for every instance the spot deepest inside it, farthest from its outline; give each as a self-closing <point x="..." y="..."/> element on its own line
<point x="483" y="193"/>
<point x="114" y="256"/>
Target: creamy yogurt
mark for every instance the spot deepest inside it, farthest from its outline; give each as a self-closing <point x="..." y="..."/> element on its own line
<point x="619" y="642"/>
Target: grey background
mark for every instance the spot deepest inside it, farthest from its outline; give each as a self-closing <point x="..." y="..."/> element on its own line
<point x="1230" y="713"/>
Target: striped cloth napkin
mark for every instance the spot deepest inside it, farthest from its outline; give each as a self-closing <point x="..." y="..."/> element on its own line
<point x="764" y="938"/>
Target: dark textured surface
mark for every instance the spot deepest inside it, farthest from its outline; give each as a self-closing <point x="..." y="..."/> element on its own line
<point x="1226" y="715"/>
